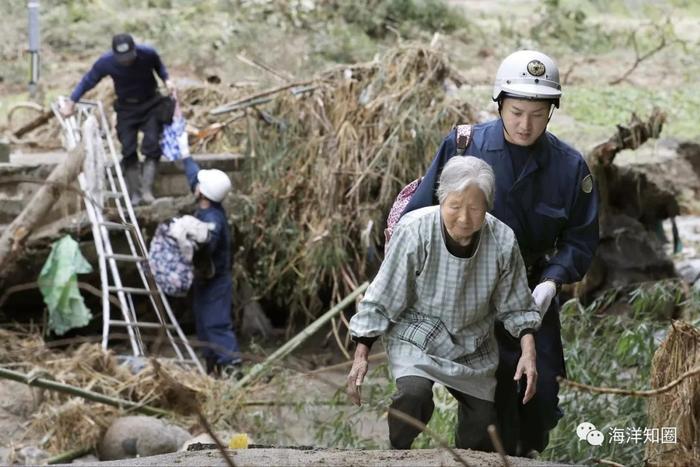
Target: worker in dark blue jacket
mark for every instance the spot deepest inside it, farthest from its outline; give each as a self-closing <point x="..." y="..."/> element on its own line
<point x="546" y="194"/>
<point x="139" y="107"/>
<point x="213" y="288"/>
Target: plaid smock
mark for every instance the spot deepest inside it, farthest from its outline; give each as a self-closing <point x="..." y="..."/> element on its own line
<point x="437" y="311"/>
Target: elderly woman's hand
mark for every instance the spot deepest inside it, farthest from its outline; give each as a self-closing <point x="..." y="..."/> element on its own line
<point x="357" y="373"/>
<point x="527" y="366"/>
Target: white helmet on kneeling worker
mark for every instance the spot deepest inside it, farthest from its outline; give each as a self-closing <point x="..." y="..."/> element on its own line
<point x="213" y="184"/>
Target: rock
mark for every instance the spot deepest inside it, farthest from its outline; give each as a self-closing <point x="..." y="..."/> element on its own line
<point x="6" y="456"/>
<point x="689" y="270"/>
<point x="139" y="436"/>
<point x="628" y="253"/>
<point x="90" y="459"/>
<point x="254" y="321"/>
<point x="180" y="435"/>
<point x="31" y="455"/>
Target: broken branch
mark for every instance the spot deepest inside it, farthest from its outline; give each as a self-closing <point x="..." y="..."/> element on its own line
<point x="89" y="395"/>
<point x="631" y="392"/>
<point x="297" y="340"/>
<point x="261" y="66"/>
<point x="628" y="137"/>
<point x="34" y="124"/>
<point x="639" y="58"/>
<point x="259" y="98"/>
<point x="423" y="427"/>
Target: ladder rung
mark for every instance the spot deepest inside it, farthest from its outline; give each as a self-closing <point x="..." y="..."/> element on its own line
<point x="113" y="194"/>
<point x="117" y="226"/>
<point x="118" y="322"/>
<point x="134" y="259"/>
<point x="131" y="290"/>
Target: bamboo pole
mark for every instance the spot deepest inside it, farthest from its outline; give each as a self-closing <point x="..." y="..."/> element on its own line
<point x="93" y="396"/>
<point x="297" y="340"/>
<point x="68" y="456"/>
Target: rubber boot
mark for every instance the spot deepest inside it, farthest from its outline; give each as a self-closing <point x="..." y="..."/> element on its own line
<point x="132" y="177"/>
<point x="150" y="168"/>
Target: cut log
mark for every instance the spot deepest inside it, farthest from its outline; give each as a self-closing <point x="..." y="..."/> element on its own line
<point x="14" y="237"/>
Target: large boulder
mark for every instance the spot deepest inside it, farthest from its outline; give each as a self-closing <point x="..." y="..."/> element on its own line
<point x="140" y="436"/>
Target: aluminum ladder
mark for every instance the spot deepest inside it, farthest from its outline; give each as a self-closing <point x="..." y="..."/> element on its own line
<point x="109" y="209"/>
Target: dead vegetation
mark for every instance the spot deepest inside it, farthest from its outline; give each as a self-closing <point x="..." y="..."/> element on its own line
<point x="65" y="422"/>
<point x="325" y="166"/>
<point x="680" y="407"/>
<point x="326" y="158"/>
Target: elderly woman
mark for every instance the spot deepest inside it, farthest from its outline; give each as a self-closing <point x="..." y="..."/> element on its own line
<point x="450" y="271"/>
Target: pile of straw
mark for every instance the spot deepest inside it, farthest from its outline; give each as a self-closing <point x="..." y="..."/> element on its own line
<point x="326" y="166"/>
<point x="679" y="407"/>
<point x="64" y="422"/>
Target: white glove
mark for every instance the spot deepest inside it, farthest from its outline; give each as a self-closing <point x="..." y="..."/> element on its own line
<point x="543" y="295"/>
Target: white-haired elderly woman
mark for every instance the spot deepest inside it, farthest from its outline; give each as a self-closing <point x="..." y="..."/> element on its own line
<point x="450" y="271"/>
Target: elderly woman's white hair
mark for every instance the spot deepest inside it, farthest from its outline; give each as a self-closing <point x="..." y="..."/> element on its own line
<point x="463" y="171"/>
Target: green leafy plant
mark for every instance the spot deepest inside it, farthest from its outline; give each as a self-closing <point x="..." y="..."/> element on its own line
<point x="611" y="350"/>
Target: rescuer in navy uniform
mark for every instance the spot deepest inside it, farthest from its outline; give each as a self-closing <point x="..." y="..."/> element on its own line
<point x="546" y="194"/>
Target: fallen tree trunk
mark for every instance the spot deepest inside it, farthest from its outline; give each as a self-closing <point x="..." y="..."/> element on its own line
<point x="15" y="235"/>
<point x="602" y="156"/>
<point x="632" y="208"/>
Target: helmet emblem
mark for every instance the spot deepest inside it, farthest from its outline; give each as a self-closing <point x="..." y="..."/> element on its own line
<point x="536" y="68"/>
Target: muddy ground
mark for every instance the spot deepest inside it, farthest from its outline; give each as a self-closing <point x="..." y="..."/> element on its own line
<point x="587" y="116"/>
<point x="331" y="457"/>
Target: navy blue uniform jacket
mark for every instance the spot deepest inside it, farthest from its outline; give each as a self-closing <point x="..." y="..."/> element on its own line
<point x="220" y="238"/>
<point x="551" y="209"/>
<point x="135" y="81"/>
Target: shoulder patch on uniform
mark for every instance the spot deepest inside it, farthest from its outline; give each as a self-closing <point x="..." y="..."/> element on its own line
<point x="587" y="184"/>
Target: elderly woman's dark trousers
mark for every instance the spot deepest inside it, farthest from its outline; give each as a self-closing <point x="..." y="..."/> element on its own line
<point x="526" y="427"/>
<point x="414" y="397"/>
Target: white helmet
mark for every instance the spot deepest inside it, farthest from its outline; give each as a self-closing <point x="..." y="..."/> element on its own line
<point x="213" y="184"/>
<point x="528" y="74"/>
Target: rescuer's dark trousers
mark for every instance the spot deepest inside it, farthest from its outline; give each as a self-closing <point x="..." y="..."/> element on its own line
<point x="524" y="428"/>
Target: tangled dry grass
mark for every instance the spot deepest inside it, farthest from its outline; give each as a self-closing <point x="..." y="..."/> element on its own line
<point x="325" y="166"/>
<point x="680" y="407"/>
<point x="326" y="160"/>
<point x="64" y="422"/>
